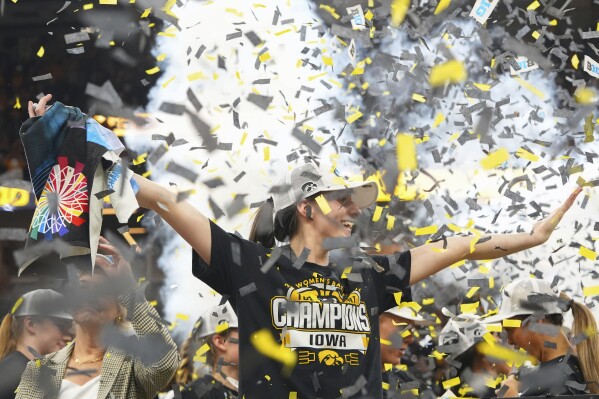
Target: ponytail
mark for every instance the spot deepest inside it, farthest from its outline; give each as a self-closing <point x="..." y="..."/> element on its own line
<point x="7" y="341"/>
<point x="185" y="372"/>
<point x="263" y="229"/>
<point x="587" y="349"/>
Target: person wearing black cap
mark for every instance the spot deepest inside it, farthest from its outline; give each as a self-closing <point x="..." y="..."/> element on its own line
<point x="37" y="325"/>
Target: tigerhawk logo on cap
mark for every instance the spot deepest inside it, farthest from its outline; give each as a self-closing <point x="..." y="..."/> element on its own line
<point x="309" y="187"/>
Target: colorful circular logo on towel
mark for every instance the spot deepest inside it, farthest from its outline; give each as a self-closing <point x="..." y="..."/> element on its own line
<point x="64" y="199"/>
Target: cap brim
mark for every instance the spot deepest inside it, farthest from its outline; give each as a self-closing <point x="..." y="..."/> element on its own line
<point x="61" y="315"/>
<point x="415" y="318"/>
<point x="363" y="195"/>
<point x="498" y="318"/>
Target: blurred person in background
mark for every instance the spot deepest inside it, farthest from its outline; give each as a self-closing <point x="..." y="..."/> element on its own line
<point x="214" y="337"/>
<point x="460" y="338"/>
<point x="110" y="355"/>
<point x="37" y="325"/>
<point x="397" y="332"/>
<point x="565" y="367"/>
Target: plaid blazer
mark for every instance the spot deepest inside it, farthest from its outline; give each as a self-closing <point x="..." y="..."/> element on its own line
<point x="122" y="376"/>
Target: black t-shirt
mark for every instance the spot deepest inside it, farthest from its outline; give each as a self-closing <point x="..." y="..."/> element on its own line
<point x="560" y="376"/>
<point x="207" y="388"/>
<point x="330" y="322"/>
<point x="11" y="369"/>
<point x="400" y="383"/>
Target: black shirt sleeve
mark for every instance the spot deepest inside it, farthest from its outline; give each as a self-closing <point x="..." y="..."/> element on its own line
<point x="227" y="253"/>
<point x="395" y="274"/>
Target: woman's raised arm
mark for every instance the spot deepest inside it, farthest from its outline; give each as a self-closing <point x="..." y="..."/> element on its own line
<point x="430" y="258"/>
<point x="186" y="220"/>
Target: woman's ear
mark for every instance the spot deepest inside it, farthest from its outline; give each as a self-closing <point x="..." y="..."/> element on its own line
<point x="219" y="342"/>
<point x="305" y="209"/>
<point x="29" y="325"/>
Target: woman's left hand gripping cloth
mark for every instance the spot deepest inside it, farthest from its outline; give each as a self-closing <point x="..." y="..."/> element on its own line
<point x="74" y="164"/>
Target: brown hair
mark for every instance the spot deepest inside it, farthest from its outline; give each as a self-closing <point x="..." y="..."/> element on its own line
<point x="265" y="230"/>
<point x="10" y="329"/>
<point x="588" y="349"/>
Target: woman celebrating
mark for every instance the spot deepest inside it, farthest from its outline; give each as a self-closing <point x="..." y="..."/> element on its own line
<point x="86" y="368"/>
<point x="38" y="324"/>
<point x="539" y="309"/>
<point x="215" y="335"/>
<point x="292" y="294"/>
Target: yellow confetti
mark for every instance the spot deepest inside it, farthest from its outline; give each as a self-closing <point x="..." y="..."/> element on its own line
<point x="536" y="34"/>
<point x="153" y="71"/>
<point x="515" y="323"/>
<point x="109" y="2"/>
<point x="438" y="119"/>
<point x="354" y="117"/>
<point x="390" y="222"/>
<point x="195" y="76"/>
<point x="418" y="97"/>
<point x="523" y="153"/>
<point x="330" y="10"/>
<point x="378" y="211"/>
<point x="323" y="204"/>
<point x="41" y="52"/>
<point x="584" y="96"/>
<point x="182" y="316"/>
<point x="146" y="13"/>
<point x="530" y="87"/>
<point x="88" y="6"/>
<point x="265" y="344"/>
<point x="17" y="104"/>
<point x="17" y="304"/>
<point x="587" y="253"/>
<point x="575" y="61"/>
<point x="369" y="15"/>
<point x="168" y="82"/>
<point x="327" y="60"/>
<point x="451" y="383"/>
<point x="267" y="153"/>
<point x="503" y="353"/>
<point x="591" y="291"/>
<point x="282" y="32"/>
<point x="234" y="11"/>
<point x="494" y="327"/>
<point x="221" y="327"/>
<point x="293" y="395"/>
<point x="153" y="303"/>
<point x="482" y="86"/>
<point x="469" y="308"/>
<point x="427" y="230"/>
<point x="495" y="158"/>
<point x="449" y="72"/>
<point x="442" y="6"/>
<point x="472" y="291"/>
<point x="406" y="152"/>
<point x="397" y="296"/>
<point x="534" y="5"/>
<point x="399" y="9"/>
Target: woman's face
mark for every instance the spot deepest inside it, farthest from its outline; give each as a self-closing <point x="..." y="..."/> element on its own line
<point x="341" y="218"/>
<point x="391" y="328"/>
<point x="50" y="335"/>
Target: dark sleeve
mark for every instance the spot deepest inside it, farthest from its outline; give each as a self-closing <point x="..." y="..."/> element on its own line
<point x="395" y="275"/>
<point x="224" y="272"/>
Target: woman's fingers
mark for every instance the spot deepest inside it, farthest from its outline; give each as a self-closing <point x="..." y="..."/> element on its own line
<point x="41" y="107"/>
<point x="30" y="109"/>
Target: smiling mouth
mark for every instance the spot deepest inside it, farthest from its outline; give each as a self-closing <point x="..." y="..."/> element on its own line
<point x="347" y="224"/>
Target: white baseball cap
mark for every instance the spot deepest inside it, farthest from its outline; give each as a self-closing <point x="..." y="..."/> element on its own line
<point x="460" y="334"/>
<point x="405" y="312"/>
<point x="217" y="319"/>
<point x="525" y="297"/>
<point x="306" y="180"/>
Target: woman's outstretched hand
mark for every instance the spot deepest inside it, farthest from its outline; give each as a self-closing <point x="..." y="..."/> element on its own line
<point x="543" y="229"/>
<point x="38" y="109"/>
